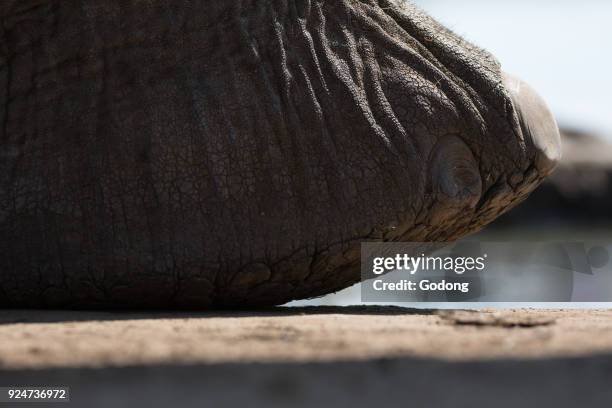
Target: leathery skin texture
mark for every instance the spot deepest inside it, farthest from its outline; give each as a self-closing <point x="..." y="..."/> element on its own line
<point x="189" y="154"/>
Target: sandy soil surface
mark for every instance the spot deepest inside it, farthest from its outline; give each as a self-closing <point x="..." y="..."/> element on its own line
<point x="306" y="356"/>
<point x="43" y="339"/>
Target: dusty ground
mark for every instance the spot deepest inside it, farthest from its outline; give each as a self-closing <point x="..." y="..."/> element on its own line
<point x="43" y="339"/>
<point x="314" y="356"/>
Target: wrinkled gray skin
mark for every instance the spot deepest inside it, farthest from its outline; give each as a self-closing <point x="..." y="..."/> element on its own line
<point x="578" y="196"/>
<point x="164" y="153"/>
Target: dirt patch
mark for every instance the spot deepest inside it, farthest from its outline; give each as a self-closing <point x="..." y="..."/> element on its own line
<point x="47" y="339"/>
<point x="498" y="319"/>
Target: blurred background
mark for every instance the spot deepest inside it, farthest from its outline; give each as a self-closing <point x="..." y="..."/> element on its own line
<point x="563" y="49"/>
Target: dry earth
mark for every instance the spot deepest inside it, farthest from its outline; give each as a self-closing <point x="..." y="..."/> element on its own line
<point x="44" y="339"/>
<point x="305" y="356"/>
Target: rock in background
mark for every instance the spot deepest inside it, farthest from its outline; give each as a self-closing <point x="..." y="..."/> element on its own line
<point x="579" y="193"/>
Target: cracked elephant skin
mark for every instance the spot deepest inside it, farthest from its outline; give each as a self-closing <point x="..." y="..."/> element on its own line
<point x="186" y="154"/>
